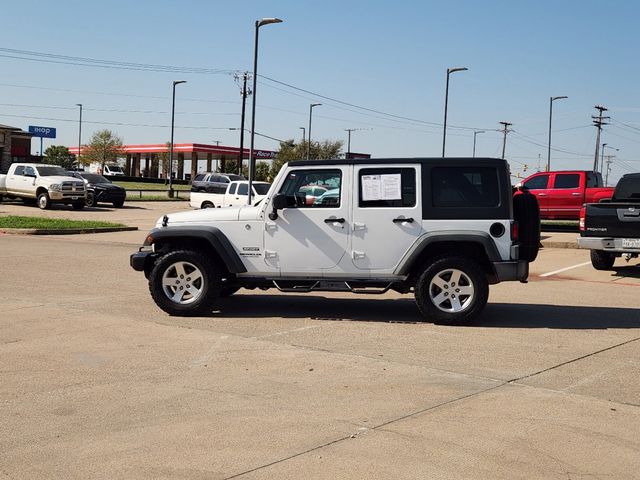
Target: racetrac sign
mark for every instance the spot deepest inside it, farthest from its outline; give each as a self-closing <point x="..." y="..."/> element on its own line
<point x="45" y="132"/>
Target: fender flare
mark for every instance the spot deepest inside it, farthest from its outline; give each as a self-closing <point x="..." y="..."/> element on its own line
<point x="479" y="237"/>
<point x="212" y="235"/>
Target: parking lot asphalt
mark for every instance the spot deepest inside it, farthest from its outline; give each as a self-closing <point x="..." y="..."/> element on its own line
<point x="97" y="382"/>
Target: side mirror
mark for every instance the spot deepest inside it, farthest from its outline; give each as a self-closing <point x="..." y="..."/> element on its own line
<point x="279" y="202"/>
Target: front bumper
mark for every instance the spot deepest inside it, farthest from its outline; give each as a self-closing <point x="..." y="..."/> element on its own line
<point x="510" y="271"/>
<point x="67" y="196"/>
<point x="142" y="260"/>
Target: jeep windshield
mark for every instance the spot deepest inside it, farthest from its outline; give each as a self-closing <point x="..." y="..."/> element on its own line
<point x="52" y="172"/>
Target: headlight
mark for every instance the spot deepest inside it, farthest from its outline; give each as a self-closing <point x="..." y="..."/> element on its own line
<point x="55" y="187"/>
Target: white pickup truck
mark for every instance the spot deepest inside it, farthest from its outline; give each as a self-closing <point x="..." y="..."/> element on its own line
<point x="235" y="195"/>
<point x="46" y="184"/>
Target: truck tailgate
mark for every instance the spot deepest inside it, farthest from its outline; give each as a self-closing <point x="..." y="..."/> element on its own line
<point x="612" y="219"/>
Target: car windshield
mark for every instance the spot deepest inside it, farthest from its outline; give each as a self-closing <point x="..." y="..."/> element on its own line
<point x="115" y="168"/>
<point x="94" y="178"/>
<point x="261" y="188"/>
<point x="50" y="171"/>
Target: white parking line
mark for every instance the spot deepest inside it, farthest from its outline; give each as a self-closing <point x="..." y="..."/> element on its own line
<point x="548" y="274"/>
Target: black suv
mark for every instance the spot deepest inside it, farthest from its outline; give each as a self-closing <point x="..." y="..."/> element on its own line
<point x="212" y="182"/>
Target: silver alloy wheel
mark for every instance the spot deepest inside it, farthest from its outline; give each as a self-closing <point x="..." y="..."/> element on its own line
<point x="451" y="290"/>
<point x="183" y="283"/>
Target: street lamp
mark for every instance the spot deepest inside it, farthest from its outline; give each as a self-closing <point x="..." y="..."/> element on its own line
<point x="476" y="132"/>
<point x="602" y="155"/>
<point x="79" y="135"/>
<point x="446" y="101"/>
<point x="551" y="100"/>
<point x="252" y="163"/>
<point x="173" y="114"/>
<point x="303" y="133"/>
<point x="309" y="142"/>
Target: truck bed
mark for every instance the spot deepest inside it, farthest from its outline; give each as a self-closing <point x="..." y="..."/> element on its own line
<point x="612" y="220"/>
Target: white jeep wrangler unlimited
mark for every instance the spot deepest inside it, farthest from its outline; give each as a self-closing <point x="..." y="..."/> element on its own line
<point x="443" y="229"/>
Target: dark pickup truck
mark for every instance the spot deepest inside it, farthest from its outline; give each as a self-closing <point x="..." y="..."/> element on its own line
<point x="612" y="229"/>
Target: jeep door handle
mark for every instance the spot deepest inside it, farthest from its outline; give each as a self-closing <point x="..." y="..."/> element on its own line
<point x="403" y="220"/>
<point x="334" y="220"/>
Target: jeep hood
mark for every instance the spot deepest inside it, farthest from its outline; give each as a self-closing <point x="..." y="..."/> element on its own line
<point x="203" y="216"/>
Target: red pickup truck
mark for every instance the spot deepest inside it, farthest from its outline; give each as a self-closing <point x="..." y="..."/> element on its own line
<point x="561" y="194"/>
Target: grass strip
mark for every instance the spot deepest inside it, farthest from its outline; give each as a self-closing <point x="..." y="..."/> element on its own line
<point x="15" y="221"/>
<point x="151" y="186"/>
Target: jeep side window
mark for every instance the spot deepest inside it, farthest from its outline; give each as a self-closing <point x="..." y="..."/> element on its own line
<point x="468" y="187"/>
<point x="386" y="178"/>
<point x="296" y="188"/>
<point x="538" y="182"/>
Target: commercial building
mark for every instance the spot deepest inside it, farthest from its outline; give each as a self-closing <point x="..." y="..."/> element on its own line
<point x="15" y="146"/>
<point x="188" y="158"/>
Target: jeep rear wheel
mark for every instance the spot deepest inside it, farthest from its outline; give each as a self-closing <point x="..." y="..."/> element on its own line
<point x="185" y="283"/>
<point x="452" y="290"/>
<point x="602" y="260"/>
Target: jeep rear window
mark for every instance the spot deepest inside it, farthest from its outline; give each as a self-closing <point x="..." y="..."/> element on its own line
<point x="372" y="179"/>
<point x="469" y="187"/>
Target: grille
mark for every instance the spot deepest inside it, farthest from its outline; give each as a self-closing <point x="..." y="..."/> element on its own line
<point x="73" y="187"/>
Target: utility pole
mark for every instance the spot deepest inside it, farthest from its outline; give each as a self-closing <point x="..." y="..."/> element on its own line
<point x="609" y="162"/>
<point x="598" y="122"/>
<point x="505" y="130"/>
<point x="245" y="93"/>
<point x="538" y="169"/>
<point x="349" y="130"/>
<point x="476" y="132"/>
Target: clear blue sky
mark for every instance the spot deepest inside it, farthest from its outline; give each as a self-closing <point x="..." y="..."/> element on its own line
<point x="390" y="57"/>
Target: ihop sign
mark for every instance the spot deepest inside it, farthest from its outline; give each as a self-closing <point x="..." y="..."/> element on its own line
<point x="43" y="132"/>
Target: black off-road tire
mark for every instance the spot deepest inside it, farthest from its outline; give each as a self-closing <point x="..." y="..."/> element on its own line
<point x="190" y="270"/>
<point x="472" y="290"/>
<point x="90" y="201"/>
<point x="44" y="202"/>
<point x="602" y="260"/>
<point x="527" y="213"/>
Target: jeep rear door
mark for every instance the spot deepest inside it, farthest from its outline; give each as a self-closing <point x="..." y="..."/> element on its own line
<point x="387" y="214"/>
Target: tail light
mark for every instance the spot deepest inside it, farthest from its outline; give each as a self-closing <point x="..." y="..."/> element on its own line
<point x="583" y="212"/>
<point x="514" y="231"/>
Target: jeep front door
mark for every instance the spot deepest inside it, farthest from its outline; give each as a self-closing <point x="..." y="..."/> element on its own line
<point x="309" y="237"/>
<point x="387" y="215"/>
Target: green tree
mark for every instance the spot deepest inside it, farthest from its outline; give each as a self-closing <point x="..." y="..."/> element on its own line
<point x="104" y="147"/>
<point x="59" y="155"/>
<point x="163" y="158"/>
<point x="290" y="151"/>
<point x="263" y="171"/>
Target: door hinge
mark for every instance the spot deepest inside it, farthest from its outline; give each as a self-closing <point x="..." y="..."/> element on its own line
<point x="359" y="226"/>
<point x="358" y="255"/>
<point x="270" y="254"/>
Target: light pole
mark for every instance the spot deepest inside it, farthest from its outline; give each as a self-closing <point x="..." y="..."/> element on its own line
<point x="303" y="133"/>
<point x="602" y="155"/>
<point x="476" y="132"/>
<point x="551" y="100"/>
<point x="252" y="163"/>
<point x="446" y="101"/>
<point x="173" y="114"/>
<point x="79" y="135"/>
<point x="309" y="138"/>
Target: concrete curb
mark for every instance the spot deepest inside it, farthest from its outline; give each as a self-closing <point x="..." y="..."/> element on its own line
<point x="557" y="244"/>
<point x="66" y="231"/>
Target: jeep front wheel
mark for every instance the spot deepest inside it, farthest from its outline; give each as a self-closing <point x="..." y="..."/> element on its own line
<point x="452" y="290"/>
<point x="185" y="283"/>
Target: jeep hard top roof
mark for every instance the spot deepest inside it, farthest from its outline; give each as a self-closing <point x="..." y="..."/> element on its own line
<point x="448" y="161"/>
